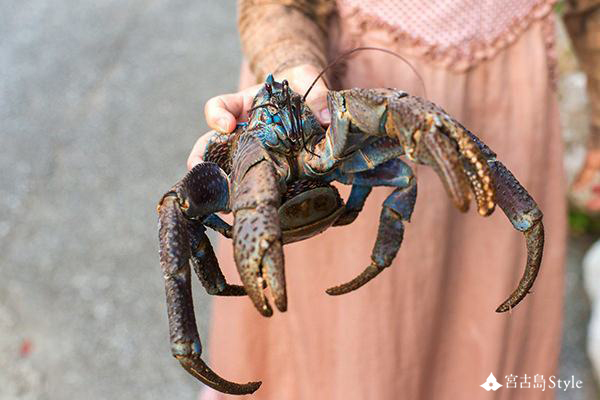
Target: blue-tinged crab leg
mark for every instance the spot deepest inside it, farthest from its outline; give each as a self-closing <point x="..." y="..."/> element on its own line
<point x="204" y="190"/>
<point x="354" y="204"/>
<point x="397" y="208"/>
<point x="206" y="265"/>
<point x="216" y="223"/>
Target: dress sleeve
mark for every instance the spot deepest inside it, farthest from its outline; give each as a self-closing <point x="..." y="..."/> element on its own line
<point x="582" y="20"/>
<point x="280" y="34"/>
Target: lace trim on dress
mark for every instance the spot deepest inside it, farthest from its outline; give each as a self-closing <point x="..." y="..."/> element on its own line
<point x="455" y="49"/>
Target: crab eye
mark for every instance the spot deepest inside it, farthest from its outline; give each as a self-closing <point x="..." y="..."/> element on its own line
<point x="269" y="88"/>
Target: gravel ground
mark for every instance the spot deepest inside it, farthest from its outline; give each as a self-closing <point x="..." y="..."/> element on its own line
<point x="101" y="102"/>
<point x="93" y="95"/>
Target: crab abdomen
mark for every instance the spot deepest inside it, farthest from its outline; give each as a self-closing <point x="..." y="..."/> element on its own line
<point x="308" y="208"/>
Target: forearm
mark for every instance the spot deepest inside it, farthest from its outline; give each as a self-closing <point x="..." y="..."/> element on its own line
<point x="280" y="34"/>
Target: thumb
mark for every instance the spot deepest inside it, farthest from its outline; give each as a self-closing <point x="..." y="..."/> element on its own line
<point x="300" y="79"/>
<point x="317" y="102"/>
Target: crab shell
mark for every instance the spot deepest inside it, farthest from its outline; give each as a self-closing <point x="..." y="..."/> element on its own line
<point x="309" y="213"/>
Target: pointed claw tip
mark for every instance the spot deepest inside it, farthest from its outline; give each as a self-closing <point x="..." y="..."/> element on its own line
<point x="281" y="304"/>
<point x="369" y="273"/>
<point x="198" y="369"/>
<point x="266" y="311"/>
<point x="262" y="305"/>
<point x="486" y="211"/>
<point x="502" y="308"/>
<point x="253" y="387"/>
<point x="338" y="290"/>
<point x="508" y="305"/>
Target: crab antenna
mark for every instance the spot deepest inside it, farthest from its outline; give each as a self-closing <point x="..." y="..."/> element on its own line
<point x="350" y="52"/>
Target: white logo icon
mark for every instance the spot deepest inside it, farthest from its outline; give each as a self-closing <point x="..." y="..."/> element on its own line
<point x="491" y="383"/>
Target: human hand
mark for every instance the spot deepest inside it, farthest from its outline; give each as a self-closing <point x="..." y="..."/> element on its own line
<point x="225" y="111"/>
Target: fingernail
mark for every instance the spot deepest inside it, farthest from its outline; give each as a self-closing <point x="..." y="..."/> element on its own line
<point x="223" y="124"/>
<point x="325" y="116"/>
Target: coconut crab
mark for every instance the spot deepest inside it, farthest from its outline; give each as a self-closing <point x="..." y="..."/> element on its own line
<point x="275" y="173"/>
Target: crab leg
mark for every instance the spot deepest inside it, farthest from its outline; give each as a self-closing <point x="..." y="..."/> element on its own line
<point x="354" y="204"/>
<point x="257" y="238"/>
<point x="397" y="208"/>
<point x="428" y="135"/>
<point x="206" y="266"/>
<point x="203" y="191"/>
<point x="523" y="213"/>
<point x="490" y="181"/>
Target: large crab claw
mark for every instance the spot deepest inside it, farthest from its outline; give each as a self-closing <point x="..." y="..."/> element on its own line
<point x="183" y="241"/>
<point x="428" y="135"/>
<point x="257" y="238"/>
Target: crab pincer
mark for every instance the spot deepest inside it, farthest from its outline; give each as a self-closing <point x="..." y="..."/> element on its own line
<point x="257" y="237"/>
<point x="275" y="174"/>
<point x="427" y="135"/>
<point x="524" y="214"/>
<point x="183" y="242"/>
<point x="468" y="167"/>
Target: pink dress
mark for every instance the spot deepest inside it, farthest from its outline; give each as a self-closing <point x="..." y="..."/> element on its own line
<point x="426" y="327"/>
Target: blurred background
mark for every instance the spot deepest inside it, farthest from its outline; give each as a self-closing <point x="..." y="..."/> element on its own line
<point x="100" y="103"/>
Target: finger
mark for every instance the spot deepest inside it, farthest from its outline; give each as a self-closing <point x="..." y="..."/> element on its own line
<point x="300" y="79"/>
<point x="317" y="101"/>
<point x="197" y="153"/>
<point x="224" y="111"/>
<point x="317" y="98"/>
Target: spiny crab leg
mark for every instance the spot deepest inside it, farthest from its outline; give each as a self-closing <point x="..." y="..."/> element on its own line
<point x="523" y="213"/>
<point x="396" y="210"/>
<point x="198" y="369"/>
<point x="534" y="237"/>
<point x="465" y="165"/>
<point x="491" y="183"/>
<point x="257" y="238"/>
<point x="202" y="191"/>
<point x="435" y="139"/>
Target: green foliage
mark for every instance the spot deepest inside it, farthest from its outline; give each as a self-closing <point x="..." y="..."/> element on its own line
<point x="559" y="7"/>
<point x="581" y="222"/>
